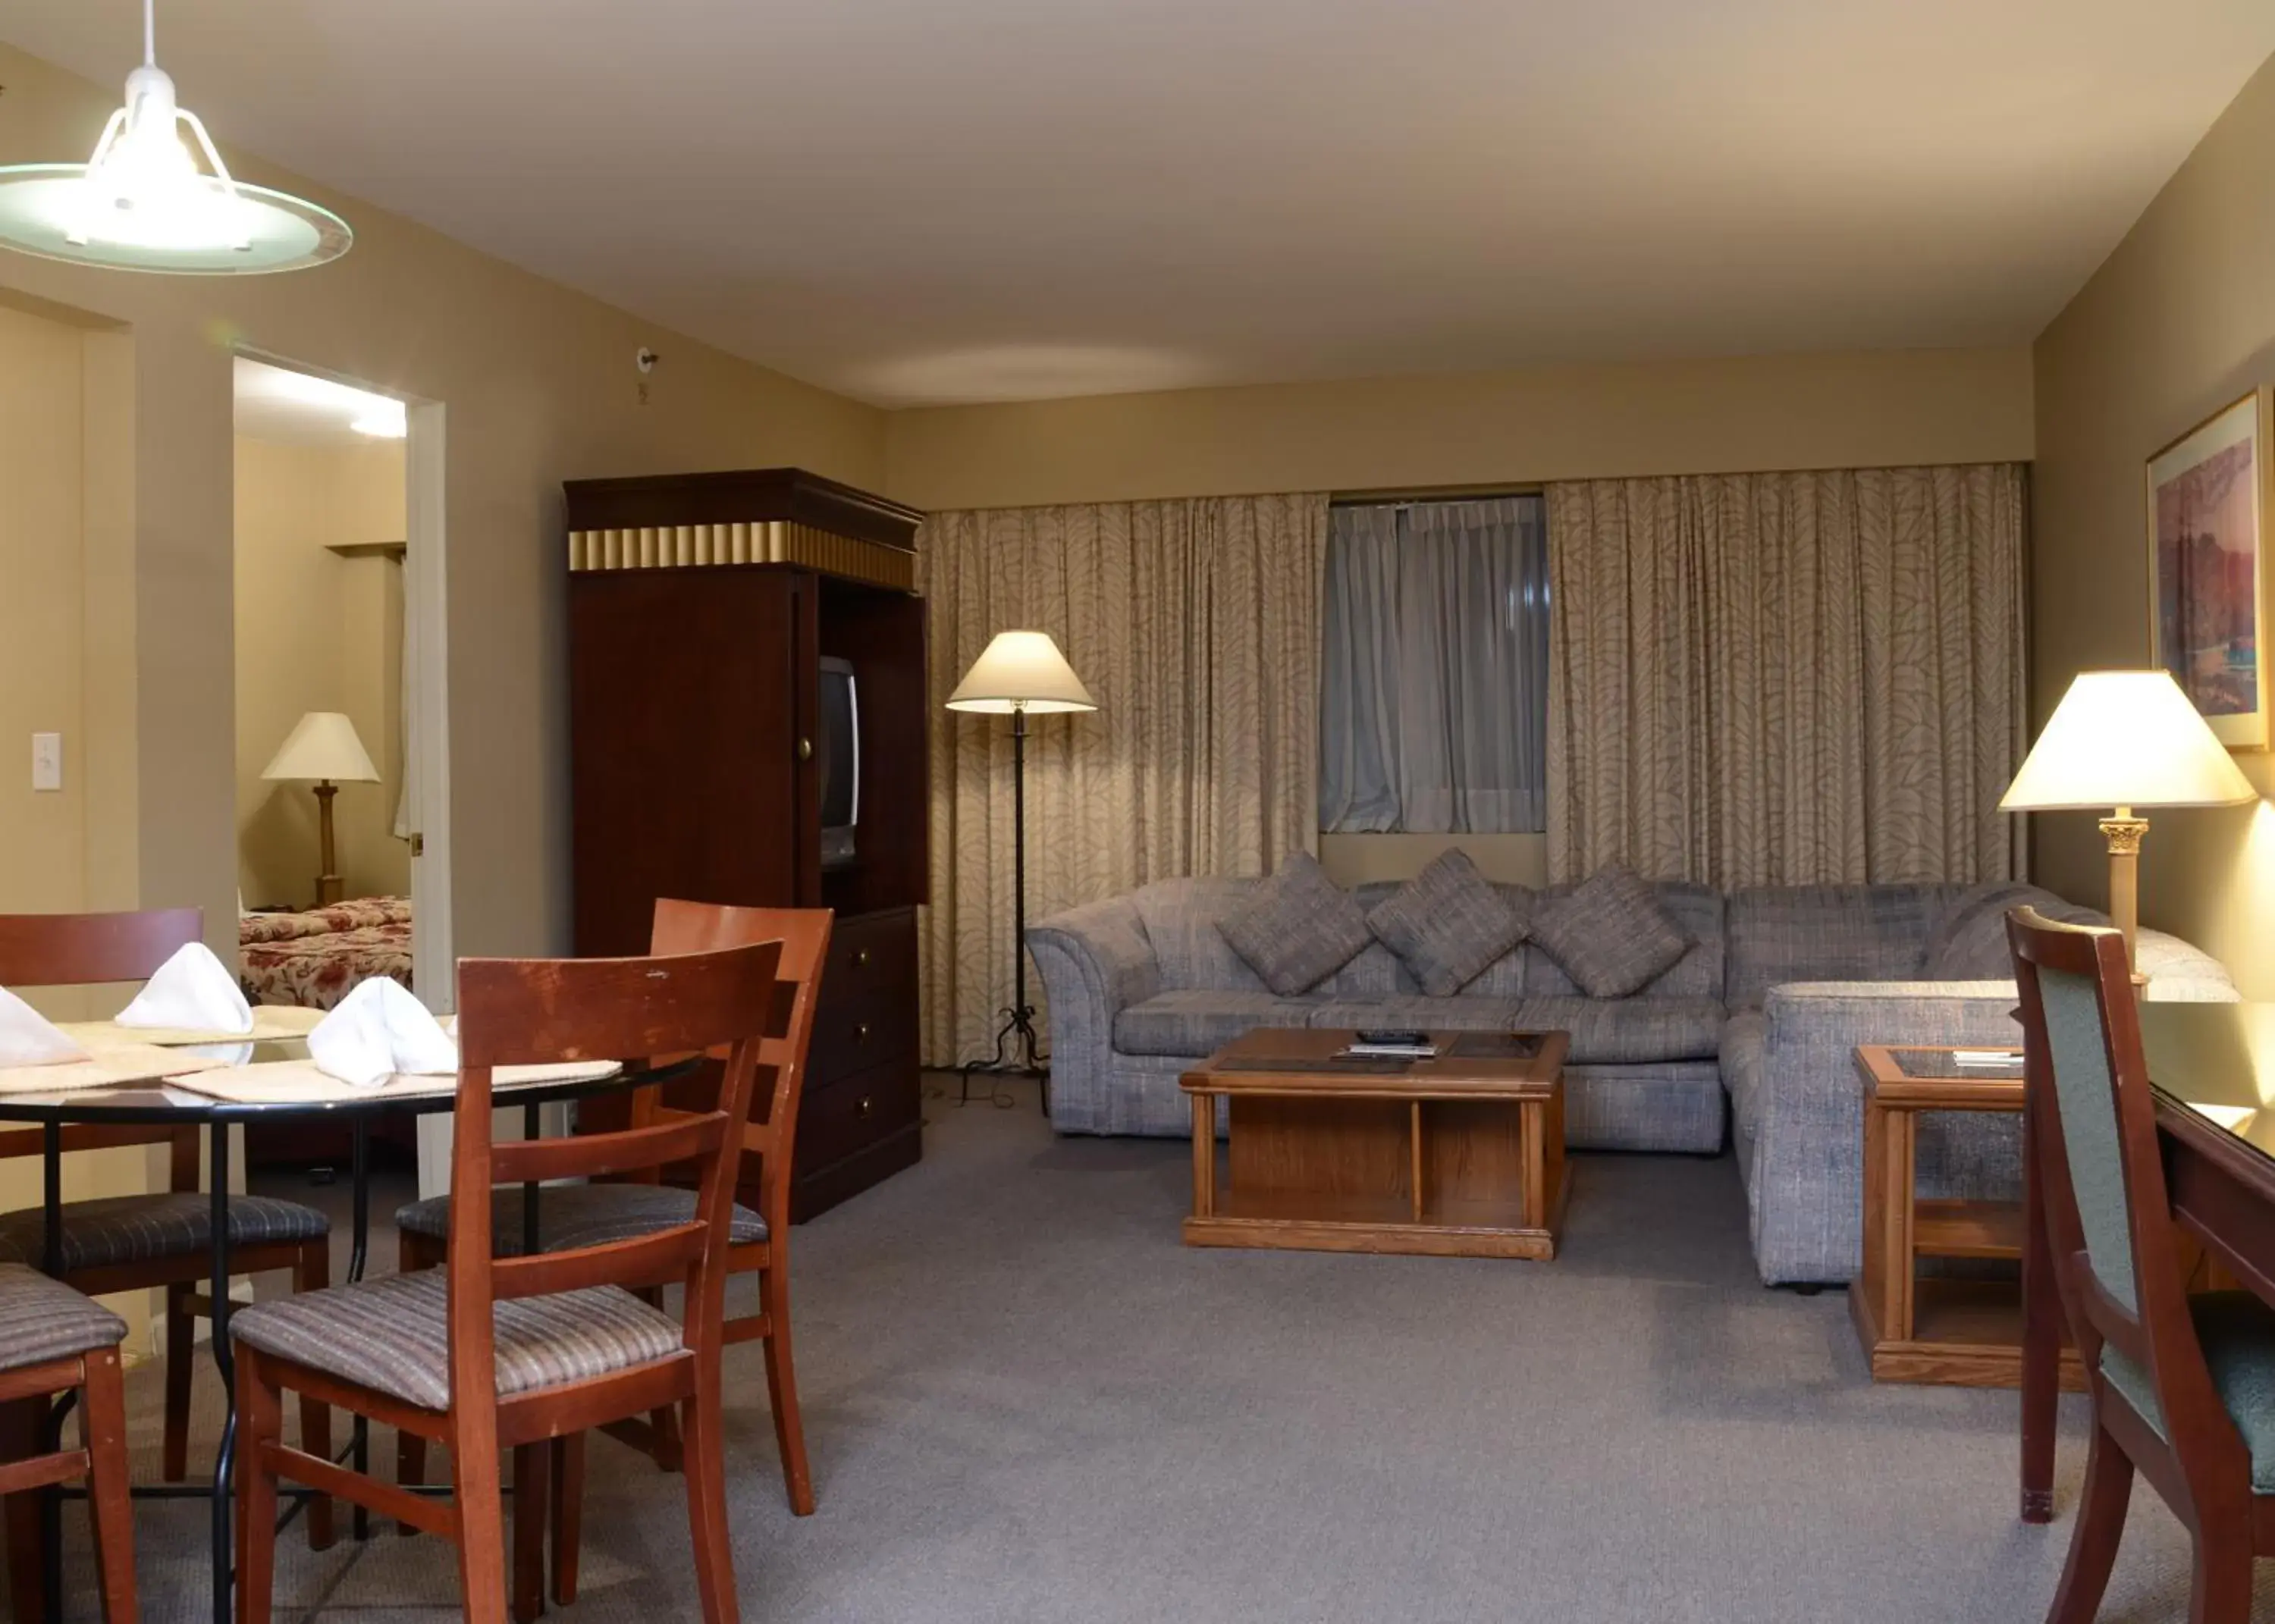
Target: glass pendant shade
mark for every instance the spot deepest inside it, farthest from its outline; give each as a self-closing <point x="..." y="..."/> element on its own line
<point x="143" y="202"/>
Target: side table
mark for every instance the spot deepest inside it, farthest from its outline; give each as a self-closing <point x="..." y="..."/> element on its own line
<point x="1936" y="1329"/>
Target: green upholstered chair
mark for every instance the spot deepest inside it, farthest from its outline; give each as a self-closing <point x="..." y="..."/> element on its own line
<point x="2183" y="1386"/>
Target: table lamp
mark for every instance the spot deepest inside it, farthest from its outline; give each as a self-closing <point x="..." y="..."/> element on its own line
<point x="1017" y="674"/>
<point x="323" y="747"/>
<point x="2125" y="740"/>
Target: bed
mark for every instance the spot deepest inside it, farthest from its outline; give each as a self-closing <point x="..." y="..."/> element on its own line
<point x="313" y="959"/>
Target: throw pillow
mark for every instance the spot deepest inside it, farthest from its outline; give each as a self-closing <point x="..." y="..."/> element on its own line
<point x="1299" y="928"/>
<point x="1448" y="923"/>
<point x="1969" y="944"/>
<point x="1609" y="933"/>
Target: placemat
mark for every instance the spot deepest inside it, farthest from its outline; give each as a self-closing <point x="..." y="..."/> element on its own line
<point x="108" y="1066"/>
<point x="299" y="1082"/>
<point x="271" y="1023"/>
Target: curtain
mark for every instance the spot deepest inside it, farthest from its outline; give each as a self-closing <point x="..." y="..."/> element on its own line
<point x="1195" y="625"/>
<point x="1786" y="678"/>
<point x="1435" y="668"/>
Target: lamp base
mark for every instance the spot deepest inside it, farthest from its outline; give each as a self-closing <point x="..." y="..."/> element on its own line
<point x="1026" y="1062"/>
<point x="2124" y="833"/>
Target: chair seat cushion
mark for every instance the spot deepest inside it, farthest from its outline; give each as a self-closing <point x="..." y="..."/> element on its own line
<point x="573" y="1215"/>
<point x="2237" y="1333"/>
<point x="118" y="1229"/>
<point x="390" y="1334"/>
<point x="43" y="1319"/>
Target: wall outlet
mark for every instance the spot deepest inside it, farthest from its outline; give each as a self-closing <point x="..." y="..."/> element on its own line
<point x="46" y="761"/>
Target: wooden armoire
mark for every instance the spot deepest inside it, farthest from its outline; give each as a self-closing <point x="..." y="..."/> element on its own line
<point x="702" y="608"/>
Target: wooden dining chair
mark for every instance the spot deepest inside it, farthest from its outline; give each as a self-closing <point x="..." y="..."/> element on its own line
<point x="574" y="1216"/>
<point x="54" y="1341"/>
<point x="487" y="1352"/>
<point x="162" y="1239"/>
<point x="2183" y="1387"/>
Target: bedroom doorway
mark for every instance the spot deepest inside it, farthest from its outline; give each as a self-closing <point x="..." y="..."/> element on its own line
<point x="341" y="717"/>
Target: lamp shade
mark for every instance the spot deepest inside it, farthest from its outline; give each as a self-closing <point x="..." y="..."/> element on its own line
<point x="323" y="745"/>
<point x="1021" y="671"/>
<point x="2126" y="739"/>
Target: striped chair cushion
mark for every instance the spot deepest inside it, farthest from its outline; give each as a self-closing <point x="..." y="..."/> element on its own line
<point x="43" y="1319"/>
<point x="390" y="1334"/>
<point x="574" y="1216"/>
<point x="140" y="1228"/>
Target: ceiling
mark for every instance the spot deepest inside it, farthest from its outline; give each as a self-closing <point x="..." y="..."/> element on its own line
<point x="273" y="402"/>
<point x="916" y="202"/>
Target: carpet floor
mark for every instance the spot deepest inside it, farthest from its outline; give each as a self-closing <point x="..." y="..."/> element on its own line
<point x="1025" y="1400"/>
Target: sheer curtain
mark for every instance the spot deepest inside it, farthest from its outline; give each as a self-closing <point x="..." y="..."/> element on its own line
<point x="1434" y="694"/>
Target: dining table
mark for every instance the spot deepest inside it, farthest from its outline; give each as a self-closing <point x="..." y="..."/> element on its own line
<point x="2211" y="1068"/>
<point x="279" y="1086"/>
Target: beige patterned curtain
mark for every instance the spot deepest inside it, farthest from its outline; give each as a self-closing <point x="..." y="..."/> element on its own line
<point x="1196" y="626"/>
<point x="1783" y="678"/>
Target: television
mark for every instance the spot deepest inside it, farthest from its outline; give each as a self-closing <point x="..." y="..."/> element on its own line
<point x="837" y="759"/>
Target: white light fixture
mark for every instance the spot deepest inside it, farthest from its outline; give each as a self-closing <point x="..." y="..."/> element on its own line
<point x="387" y="421"/>
<point x="1021" y="672"/>
<point x="142" y="203"/>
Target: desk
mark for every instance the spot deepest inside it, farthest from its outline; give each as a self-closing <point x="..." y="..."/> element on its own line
<point x="147" y="1105"/>
<point x="2213" y="1067"/>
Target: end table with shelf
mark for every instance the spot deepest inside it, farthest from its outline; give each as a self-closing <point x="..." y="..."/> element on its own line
<point x="1936" y="1329"/>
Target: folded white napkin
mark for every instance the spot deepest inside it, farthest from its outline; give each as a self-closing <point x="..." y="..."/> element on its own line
<point x="29" y="1039"/>
<point x="193" y="993"/>
<point x="377" y="1031"/>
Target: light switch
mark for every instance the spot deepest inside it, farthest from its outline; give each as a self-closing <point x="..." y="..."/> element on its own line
<point x="46" y="761"/>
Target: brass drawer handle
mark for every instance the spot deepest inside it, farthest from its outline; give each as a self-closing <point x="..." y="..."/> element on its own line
<point x="861" y="1033"/>
<point x="806" y="750"/>
<point x="861" y="959"/>
<point x="861" y="1107"/>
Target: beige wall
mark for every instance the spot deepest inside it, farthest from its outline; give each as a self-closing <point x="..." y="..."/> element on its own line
<point x="2179" y="322"/>
<point x="1472" y="430"/>
<point x="538" y="387"/>
<point x="1354" y="859"/>
<point x="316" y="632"/>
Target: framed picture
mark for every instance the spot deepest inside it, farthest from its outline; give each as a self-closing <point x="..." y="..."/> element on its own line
<point x="2206" y="578"/>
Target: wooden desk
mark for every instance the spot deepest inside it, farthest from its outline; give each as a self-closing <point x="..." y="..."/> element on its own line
<point x="2213" y="1066"/>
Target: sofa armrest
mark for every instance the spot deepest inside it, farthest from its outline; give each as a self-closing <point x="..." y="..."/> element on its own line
<point x="1095" y="960"/>
<point x="1805" y="1188"/>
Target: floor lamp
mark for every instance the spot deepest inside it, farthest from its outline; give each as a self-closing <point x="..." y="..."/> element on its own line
<point x="1019" y="674"/>
<point x="2125" y="740"/>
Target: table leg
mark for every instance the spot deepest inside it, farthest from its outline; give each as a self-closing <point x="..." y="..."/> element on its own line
<point x="1204" y="1155"/>
<point x="51" y="1420"/>
<point x="2042" y="1316"/>
<point x="529" y="1195"/>
<point x="359" y="1253"/>
<point x="225" y="1362"/>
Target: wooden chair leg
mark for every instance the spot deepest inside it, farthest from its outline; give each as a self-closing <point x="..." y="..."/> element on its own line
<point x="102" y="1425"/>
<point x="481" y="1534"/>
<point x="782" y="1392"/>
<point x="19" y="1440"/>
<point x="260" y="1427"/>
<point x="531" y="1508"/>
<point x="181" y="1356"/>
<point x="410" y="1450"/>
<point x="313" y="1272"/>
<point x="2221" y="1590"/>
<point x="2093" y="1541"/>
<point x="707" y="1499"/>
<point x="567" y="1515"/>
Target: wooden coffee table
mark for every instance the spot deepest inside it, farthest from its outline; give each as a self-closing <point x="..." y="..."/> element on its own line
<point x="1460" y="1156"/>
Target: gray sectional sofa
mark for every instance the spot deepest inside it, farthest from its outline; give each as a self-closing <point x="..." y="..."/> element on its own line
<point x="1778" y="987"/>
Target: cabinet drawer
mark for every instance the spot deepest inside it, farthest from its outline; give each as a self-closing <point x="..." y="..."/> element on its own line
<point x="867" y="1012"/>
<point x="846" y="1116"/>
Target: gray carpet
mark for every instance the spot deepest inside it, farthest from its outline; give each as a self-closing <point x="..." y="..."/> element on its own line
<point x="1026" y="1401"/>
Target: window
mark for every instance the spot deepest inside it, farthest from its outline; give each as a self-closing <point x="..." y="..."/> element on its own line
<point x="1434" y="714"/>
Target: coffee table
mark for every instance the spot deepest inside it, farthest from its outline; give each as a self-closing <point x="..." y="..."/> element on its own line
<point x="1460" y="1156"/>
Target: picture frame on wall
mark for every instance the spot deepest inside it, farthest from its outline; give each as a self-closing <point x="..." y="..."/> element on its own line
<point x="2207" y="575"/>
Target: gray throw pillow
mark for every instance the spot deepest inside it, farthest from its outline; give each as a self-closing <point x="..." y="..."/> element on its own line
<point x="1447" y="924"/>
<point x="1970" y="942"/>
<point x="1299" y="928"/>
<point x="1609" y="933"/>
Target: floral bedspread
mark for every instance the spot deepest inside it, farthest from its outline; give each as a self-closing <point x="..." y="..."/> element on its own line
<point x="314" y="959"/>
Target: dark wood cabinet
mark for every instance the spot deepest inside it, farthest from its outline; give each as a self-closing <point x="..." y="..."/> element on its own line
<point x="701" y="608"/>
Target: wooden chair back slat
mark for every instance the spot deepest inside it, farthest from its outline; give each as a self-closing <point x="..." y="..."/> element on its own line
<point x="2120" y="1274"/>
<point x="89" y="949"/>
<point x="533" y="1011"/>
<point x="590" y="1156"/>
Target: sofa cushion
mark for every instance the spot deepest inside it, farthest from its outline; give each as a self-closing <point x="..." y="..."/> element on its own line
<point x="1194" y="1022"/>
<point x="1609" y="933"/>
<point x="1299" y="928"/>
<point x="1447" y="924"/>
<point x="1628" y="1030"/>
<point x="1970" y="942"/>
<point x="1780" y="933"/>
<point x="1180" y="920"/>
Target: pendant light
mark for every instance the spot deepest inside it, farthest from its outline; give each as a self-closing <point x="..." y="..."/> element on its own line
<point x="143" y="203"/>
